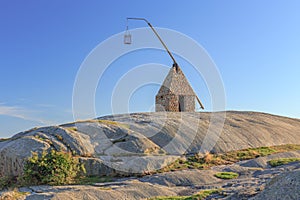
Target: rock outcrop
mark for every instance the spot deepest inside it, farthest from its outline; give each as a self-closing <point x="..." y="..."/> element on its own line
<point x="143" y="142"/>
<point x="283" y="186"/>
<point x="253" y="183"/>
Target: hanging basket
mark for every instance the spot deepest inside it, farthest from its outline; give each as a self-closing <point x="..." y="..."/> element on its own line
<point x="127" y="37"/>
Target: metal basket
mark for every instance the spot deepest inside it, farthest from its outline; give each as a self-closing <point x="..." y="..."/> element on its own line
<point x="127" y="37"/>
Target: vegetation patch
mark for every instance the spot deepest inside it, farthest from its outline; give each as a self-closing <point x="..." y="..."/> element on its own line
<point x="287" y="147"/>
<point x="282" y="161"/>
<point x="14" y="194"/>
<point x="209" y="160"/>
<point x="200" y="195"/>
<point x="246" y="154"/>
<point x="109" y="122"/>
<point x="103" y="121"/>
<point x="41" y="138"/>
<point x="90" y="180"/>
<point x="7" y="182"/>
<point x="182" y="164"/>
<point x="226" y="175"/>
<point x="54" y="168"/>
<point x="59" y="137"/>
<point x="4" y="139"/>
<point x="72" y="128"/>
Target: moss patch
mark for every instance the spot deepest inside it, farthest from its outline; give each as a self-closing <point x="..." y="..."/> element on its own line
<point x="282" y="161"/>
<point x="226" y="175"/>
<point x="209" y="160"/>
<point x="246" y="154"/>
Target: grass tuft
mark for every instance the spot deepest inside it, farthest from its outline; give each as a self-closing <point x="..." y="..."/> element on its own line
<point x="208" y="160"/>
<point x="72" y="128"/>
<point x="226" y="175"/>
<point x="282" y="161"/>
<point x="114" y="123"/>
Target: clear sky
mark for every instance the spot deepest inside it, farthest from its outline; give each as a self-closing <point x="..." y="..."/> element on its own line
<point x="255" y="45"/>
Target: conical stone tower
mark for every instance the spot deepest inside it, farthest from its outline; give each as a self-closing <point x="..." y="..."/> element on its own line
<point x="176" y="94"/>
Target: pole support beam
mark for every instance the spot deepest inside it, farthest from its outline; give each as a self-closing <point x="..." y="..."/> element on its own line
<point x="161" y="41"/>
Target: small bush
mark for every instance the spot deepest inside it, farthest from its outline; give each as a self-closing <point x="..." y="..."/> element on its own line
<point x="265" y="151"/>
<point x="7" y="182"/>
<point x="54" y="168"/>
<point x="226" y="175"/>
<point x="282" y="161"/>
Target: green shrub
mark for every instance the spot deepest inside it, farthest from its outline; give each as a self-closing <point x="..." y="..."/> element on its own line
<point x="7" y="182"/>
<point x="265" y="151"/>
<point x="282" y="161"/>
<point x="53" y="168"/>
<point x="226" y="175"/>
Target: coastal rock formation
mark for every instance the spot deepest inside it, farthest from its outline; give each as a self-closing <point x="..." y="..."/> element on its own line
<point x="144" y="142"/>
<point x="253" y="183"/>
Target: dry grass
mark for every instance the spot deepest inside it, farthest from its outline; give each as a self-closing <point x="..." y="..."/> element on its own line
<point x="13" y="194"/>
<point x="4" y="139"/>
<point x="59" y="137"/>
<point x="208" y="157"/>
<point x="114" y="123"/>
<point x="72" y="128"/>
<point x="209" y="160"/>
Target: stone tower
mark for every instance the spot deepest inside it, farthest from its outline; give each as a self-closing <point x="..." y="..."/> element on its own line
<point x="176" y="94"/>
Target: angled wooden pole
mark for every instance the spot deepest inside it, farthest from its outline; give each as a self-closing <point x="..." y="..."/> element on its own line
<point x="161" y="41"/>
<point x="202" y="107"/>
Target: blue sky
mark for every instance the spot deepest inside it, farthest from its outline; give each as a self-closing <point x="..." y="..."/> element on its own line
<point x="255" y="44"/>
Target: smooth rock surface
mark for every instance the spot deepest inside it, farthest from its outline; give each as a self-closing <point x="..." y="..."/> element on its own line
<point x="253" y="183"/>
<point x="283" y="186"/>
<point x="143" y="142"/>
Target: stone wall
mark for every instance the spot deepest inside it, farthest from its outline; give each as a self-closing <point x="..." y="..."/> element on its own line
<point x="175" y="103"/>
<point x="169" y="103"/>
<point x="187" y="103"/>
<point x="176" y="94"/>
